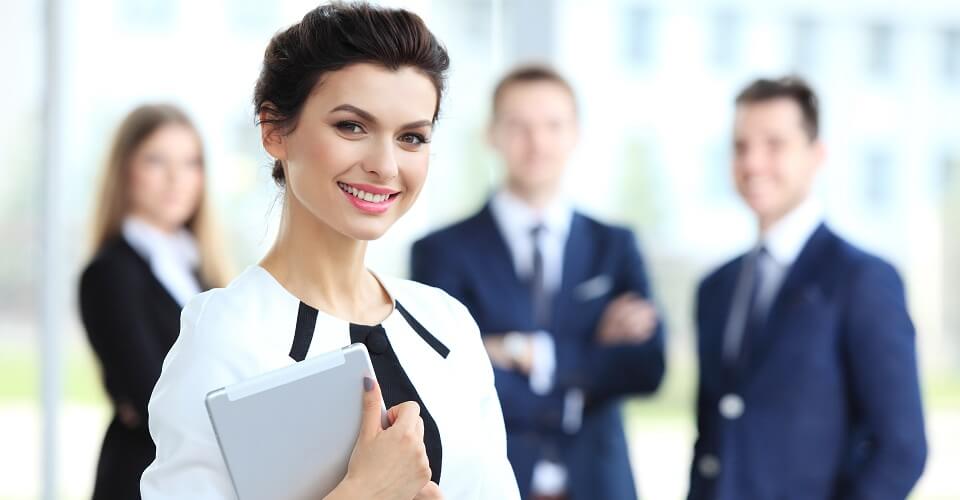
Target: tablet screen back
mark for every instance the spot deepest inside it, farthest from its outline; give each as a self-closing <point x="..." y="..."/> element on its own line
<point x="289" y="433"/>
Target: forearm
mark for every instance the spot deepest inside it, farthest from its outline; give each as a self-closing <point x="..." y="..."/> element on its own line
<point x="522" y="408"/>
<point x="627" y="369"/>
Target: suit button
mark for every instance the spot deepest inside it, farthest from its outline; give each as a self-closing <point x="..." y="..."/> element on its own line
<point x="731" y="406"/>
<point x="709" y="466"/>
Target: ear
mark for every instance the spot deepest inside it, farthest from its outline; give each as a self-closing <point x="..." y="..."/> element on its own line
<point x="272" y="135"/>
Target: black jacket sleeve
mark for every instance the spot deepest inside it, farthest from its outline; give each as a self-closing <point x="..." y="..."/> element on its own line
<point x="115" y="316"/>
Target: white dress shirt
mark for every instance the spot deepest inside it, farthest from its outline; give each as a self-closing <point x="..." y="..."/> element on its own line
<point x="234" y="333"/>
<point x="516" y="220"/>
<point x="173" y="258"/>
<point x="776" y="251"/>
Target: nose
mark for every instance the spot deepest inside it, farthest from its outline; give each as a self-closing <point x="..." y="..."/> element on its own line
<point x="750" y="160"/>
<point x="382" y="161"/>
<point x="537" y="142"/>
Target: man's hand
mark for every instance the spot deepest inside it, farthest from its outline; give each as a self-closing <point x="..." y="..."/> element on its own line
<point x="629" y="319"/>
<point x="511" y="351"/>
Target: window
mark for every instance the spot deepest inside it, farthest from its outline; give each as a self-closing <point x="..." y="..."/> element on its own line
<point x="805" y="44"/>
<point x="724" y="50"/>
<point x="951" y="55"/>
<point x="638" y="36"/>
<point x="528" y="28"/>
<point x="880" y="50"/>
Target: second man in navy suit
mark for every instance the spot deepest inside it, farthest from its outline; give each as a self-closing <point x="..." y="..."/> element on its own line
<point x="563" y="302"/>
<point x="808" y="371"/>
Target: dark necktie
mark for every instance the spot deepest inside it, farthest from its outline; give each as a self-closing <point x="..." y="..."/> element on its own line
<point x="538" y="291"/>
<point x="756" y="315"/>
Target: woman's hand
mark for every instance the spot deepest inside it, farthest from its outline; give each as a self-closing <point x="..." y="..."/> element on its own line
<point x="388" y="464"/>
<point x="430" y="492"/>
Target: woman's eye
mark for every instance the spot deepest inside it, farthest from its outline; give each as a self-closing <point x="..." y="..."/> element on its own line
<point x="414" y="139"/>
<point x="350" y="127"/>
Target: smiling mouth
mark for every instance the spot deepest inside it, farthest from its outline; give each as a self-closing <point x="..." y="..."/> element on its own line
<point x="368" y="197"/>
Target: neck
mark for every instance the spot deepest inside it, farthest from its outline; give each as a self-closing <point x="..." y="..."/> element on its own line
<point x="153" y="223"/>
<point x="537" y="198"/>
<point x="322" y="267"/>
<point x="766" y="222"/>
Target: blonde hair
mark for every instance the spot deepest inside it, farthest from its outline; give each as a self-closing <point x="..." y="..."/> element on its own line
<point x="113" y="202"/>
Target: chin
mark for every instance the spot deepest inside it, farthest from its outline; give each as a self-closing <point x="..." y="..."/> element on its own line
<point x="367" y="232"/>
<point x="760" y="206"/>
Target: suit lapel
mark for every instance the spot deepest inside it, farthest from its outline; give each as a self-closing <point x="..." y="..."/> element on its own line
<point x="716" y="319"/>
<point x="492" y="250"/>
<point x="802" y="284"/>
<point x="161" y="296"/>
<point x="576" y="269"/>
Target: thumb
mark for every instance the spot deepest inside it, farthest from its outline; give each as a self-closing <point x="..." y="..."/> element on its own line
<point x="370" y="423"/>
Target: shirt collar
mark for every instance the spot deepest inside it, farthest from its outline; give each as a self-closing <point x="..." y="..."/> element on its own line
<point x="786" y="238"/>
<point x="151" y="242"/>
<point x="516" y="218"/>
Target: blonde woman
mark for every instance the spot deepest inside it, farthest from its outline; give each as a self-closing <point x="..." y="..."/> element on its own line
<point x="154" y="250"/>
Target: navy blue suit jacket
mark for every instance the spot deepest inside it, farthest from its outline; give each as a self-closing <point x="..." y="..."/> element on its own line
<point x="471" y="261"/>
<point x="830" y="388"/>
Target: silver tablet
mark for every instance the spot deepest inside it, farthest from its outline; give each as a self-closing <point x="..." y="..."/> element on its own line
<point x="289" y="433"/>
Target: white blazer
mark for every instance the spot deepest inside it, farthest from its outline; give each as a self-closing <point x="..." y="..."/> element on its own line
<point x="249" y="327"/>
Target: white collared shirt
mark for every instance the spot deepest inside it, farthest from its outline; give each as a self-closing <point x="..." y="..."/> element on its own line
<point x="235" y="333"/>
<point x="173" y="258"/>
<point x="781" y="245"/>
<point x="516" y="221"/>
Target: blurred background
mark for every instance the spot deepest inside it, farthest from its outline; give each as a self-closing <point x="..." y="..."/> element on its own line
<point x="656" y="82"/>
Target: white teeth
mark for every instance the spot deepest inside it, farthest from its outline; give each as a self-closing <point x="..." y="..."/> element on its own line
<point x="363" y="195"/>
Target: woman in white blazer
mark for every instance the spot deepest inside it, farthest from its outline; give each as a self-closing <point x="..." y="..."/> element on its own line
<point x="346" y="101"/>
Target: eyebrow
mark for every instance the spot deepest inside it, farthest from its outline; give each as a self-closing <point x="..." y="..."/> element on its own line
<point x="370" y="118"/>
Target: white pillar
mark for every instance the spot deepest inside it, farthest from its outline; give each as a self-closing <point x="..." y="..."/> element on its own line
<point x="50" y="300"/>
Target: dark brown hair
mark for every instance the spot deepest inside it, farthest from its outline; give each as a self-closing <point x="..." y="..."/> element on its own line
<point x="793" y="88"/>
<point x="331" y="37"/>
<point x="530" y="73"/>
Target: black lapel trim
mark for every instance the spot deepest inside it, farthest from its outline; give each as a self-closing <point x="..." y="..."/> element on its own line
<point x="427" y="337"/>
<point x="303" y="333"/>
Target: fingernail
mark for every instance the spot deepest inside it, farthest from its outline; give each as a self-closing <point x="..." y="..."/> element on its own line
<point x="367" y="384"/>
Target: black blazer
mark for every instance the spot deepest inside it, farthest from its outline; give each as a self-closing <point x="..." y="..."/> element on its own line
<point x="131" y="321"/>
